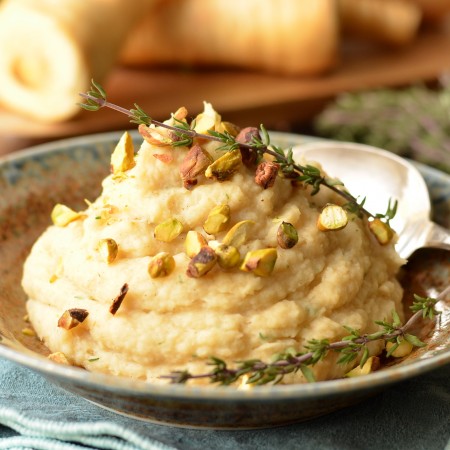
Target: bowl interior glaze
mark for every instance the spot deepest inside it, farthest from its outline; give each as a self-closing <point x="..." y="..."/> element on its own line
<point x="69" y="171"/>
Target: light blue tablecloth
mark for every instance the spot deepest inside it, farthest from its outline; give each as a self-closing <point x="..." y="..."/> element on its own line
<point x="413" y="415"/>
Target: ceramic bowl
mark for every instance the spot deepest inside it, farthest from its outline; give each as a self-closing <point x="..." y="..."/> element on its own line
<point x="68" y="171"/>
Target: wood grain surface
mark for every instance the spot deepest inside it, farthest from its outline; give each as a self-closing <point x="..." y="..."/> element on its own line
<point x="243" y="97"/>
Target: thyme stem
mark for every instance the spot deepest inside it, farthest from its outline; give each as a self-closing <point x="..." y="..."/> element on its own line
<point x="265" y="372"/>
<point x="102" y="102"/>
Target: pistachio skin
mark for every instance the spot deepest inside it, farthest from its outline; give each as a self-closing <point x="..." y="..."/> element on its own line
<point x="201" y="263"/>
<point x="287" y="235"/>
<point x="266" y="174"/>
<point x="71" y="318"/>
<point x="194" y="164"/>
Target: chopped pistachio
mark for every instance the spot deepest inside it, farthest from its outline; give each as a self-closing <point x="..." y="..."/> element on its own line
<point x="165" y="158"/>
<point x="201" y="263"/>
<point x="58" y="357"/>
<point x="332" y="218"/>
<point x="117" y="301"/>
<point x="194" y="164"/>
<point x="261" y="262"/>
<point x="228" y="127"/>
<point x="266" y="174"/>
<point x="72" y="318"/>
<point x="180" y="114"/>
<point x="107" y="249"/>
<point x="194" y="242"/>
<point x="161" y="265"/>
<point x="122" y="158"/>
<point x="62" y="215"/>
<point x="224" y="167"/>
<point x="155" y="136"/>
<point x="371" y="365"/>
<point x="214" y="243"/>
<point x="247" y="136"/>
<point x="207" y="120"/>
<point x="168" y="230"/>
<point x="217" y="219"/>
<point x="227" y="256"/>
<point x="238" y="233"/>
<point x="381" y="230"/>
<point x="287" y="235"/>
<point x="403" y="349"/>
<point x="58" y="271"/>
<point x="28" y="332"/>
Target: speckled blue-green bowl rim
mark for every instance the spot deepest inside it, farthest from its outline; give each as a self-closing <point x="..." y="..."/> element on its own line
<point x="317" y="390"/>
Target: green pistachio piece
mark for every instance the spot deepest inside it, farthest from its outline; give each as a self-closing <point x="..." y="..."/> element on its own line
<point x="108" y="249"/>
<point x="287" y="235"/>
<point x="261" y="262"/>
<point x="59" y="357"/>
<point x="224" y="167"/>
<point x="161" y="265"/>
<point x="228" y="127"/>
<point x="71" y="318"/>
<point x="201" y="263"/>
<point x="62" y="215"/>
<point x="217" y="219"/>
<point x="168" y="230"/>
<point x="238" y="233"/>
<point x="194" y="243"/>
<point x="402" y="349"/>
<point x="227" y="256"/>
<point x="372" y="364"/>
<point x="381" y="230"/>
<point x="122" y="158"/>
<point x="332" y="218"/>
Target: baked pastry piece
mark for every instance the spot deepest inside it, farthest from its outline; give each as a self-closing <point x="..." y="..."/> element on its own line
<point x="279" y="36"/>
<point x="49" y="51"/>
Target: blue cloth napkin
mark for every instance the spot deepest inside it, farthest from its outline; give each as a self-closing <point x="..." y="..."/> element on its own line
<point x="34" y="414"/>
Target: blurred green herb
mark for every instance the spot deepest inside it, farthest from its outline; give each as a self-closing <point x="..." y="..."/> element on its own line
<point x="413" y="122"/>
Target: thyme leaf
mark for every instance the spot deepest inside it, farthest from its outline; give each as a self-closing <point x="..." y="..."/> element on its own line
<point x="349" y="347"/>
<point x="309" y="175"/>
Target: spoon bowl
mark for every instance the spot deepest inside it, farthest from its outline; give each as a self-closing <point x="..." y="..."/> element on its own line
<point x="379" y="175"/>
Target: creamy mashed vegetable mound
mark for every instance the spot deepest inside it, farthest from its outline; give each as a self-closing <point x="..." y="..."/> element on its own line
<point x="328" y="280"/>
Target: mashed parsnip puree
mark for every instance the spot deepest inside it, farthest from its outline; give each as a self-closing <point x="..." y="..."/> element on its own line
<point x="147" y="318"/>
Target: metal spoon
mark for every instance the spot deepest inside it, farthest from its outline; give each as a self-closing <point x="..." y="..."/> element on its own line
<point x="380" y="175"/>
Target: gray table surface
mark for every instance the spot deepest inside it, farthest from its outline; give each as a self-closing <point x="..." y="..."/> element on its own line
<point x="414" y="414"/>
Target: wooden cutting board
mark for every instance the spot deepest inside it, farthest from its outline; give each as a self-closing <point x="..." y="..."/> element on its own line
<point x="246" y="98"/>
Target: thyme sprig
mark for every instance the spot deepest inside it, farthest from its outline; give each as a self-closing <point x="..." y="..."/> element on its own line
<point x="96" y="99"/>
<point x="350" y="347"/>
